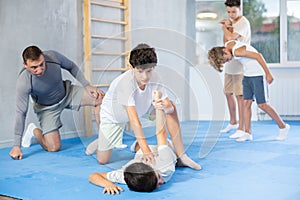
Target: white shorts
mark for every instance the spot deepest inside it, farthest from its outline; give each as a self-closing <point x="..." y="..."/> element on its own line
<point x="110" y="136"/>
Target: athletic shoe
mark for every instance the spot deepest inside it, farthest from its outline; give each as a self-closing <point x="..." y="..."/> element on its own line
<point x="245" y="137"/>
<point x="92" y="147"/>
<point x="26" y="140"/>
<point x="237" y="134"/>
<point x="229" y="127"/>
<point x="283" y="132"/>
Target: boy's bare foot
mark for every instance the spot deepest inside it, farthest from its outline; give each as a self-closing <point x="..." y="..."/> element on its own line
<point x="186" y="161"/>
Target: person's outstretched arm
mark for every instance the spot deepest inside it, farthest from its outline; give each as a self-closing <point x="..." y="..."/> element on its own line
<point x="74" y="70"/>
<point x="100" y="179"/>
<point x="148" y="156"/>
<point x="242" y="52"/>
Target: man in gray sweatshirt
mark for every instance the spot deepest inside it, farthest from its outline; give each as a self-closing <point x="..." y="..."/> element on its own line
<point x="41" y="81"/>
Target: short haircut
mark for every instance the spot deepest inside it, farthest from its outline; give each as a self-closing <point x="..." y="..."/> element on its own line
<point x="232" y="3"/>
<point x="215" y="57"/>
<point x="140" y="177"/>
<point x="143" y="57"/>
<point x="31" y="53"/>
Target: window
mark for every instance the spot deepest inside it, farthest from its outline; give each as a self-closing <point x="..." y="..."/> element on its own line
<point x="275" y="26"/>
<point x="293" y="30"/>
<point x="208" y="29"/>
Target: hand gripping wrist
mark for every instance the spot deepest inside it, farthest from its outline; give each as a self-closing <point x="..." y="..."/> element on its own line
<point x="169" y="109"/>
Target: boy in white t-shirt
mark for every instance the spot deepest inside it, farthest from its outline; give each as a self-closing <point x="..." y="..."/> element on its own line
<point x="129" y="97"/>
<point x="256" y="72"/>
<point x="138" y="174"/>
<point x="237" y="27"/>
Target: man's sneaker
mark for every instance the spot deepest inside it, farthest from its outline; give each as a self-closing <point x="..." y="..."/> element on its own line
<point x="28" y="135"/>
<point x="283" y="132"/>
<point x="245" y="137"/>
<point x="237" y="134"/>
<point x="229" y="127"/>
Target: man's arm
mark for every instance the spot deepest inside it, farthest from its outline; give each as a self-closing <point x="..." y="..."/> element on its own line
<point x="16" y="153"/>
<point x="74" y="70"/>
<point x="68" y="65"/>
<point x="23" y="89"/>
<point x="100" y="179"/>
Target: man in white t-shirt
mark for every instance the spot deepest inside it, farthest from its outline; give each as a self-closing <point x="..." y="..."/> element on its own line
<point x="237" y="27"/>
<point x="130" y="96"/>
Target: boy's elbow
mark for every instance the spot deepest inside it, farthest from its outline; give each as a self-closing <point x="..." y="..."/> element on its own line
<point x="92" y="178"/>
<point x="230" y="37"/>
<point x="260" y="56"/>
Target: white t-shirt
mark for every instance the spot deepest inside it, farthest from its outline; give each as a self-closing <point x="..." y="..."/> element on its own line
<point x="242" y="27"/>
<point x="164" y="163"/>
<point x="251" y="66"/>
<point x="124" y="91"/>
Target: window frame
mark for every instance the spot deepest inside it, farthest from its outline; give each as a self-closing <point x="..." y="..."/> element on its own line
<point x="283" y="61"/>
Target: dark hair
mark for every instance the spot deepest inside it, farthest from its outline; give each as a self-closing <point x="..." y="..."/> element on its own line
<point x="140" y="177"/>
<point x="143" y="56"/>
<point x="232" y="3"/>
<point x="32" y="53"/>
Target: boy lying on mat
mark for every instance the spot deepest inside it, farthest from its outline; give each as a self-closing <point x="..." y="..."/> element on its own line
<point x="140" y="174"/>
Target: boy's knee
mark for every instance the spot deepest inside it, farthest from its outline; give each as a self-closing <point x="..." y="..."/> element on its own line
<point x="53" y="148"/>
<point x="247" y="103"/>
<point x="103" y="159"/>
<point x="262" y="105"/>
<point x="103" y="162"/>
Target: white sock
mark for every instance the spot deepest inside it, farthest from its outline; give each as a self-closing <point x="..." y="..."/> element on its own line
<point x="132" y="147"/>
<point x="121" y="146"/>
<point x="187" y="161"/>
<point x="92" y="147"/>
<point x="28" y="135"/>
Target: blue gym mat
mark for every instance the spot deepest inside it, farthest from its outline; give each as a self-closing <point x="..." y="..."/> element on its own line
<point x="260" y="169"/>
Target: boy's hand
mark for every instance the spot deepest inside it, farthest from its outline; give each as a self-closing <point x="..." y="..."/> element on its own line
<point x="226" y="22"/>
<point x="149" y="158"/>
<point x="111" y="188"/>
<point x="160" y="105"/>
<point x="95" y="92"/>
<point x="269" y="78"/>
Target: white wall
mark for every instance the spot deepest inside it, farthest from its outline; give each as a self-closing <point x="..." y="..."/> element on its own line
<point x="284" y="94"/>
<point x="48" y="24"/>
<point x="167" y="25"/>
<point x="57" y="24"/>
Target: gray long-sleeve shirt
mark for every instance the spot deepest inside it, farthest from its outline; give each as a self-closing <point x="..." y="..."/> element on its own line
<point x="47" y="89"/>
